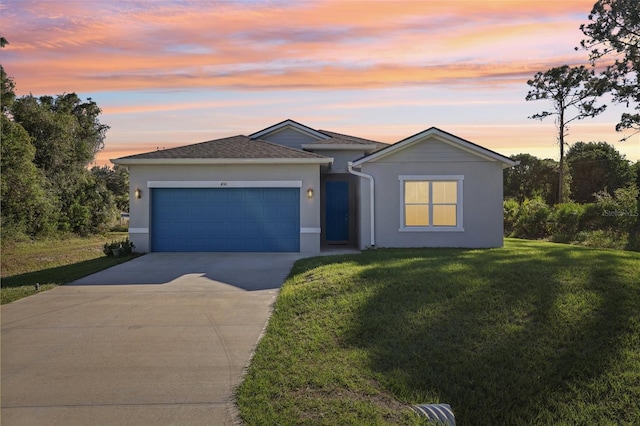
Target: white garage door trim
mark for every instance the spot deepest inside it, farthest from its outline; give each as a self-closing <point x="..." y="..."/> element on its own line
<point x="225" y="184"/>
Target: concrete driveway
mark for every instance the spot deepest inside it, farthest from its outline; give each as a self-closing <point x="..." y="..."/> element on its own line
<point x="162" y="339"/>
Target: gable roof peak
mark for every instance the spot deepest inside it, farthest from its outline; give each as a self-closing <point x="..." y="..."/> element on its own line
<point x="289" y="123"/>
<point x="443" y="136"/>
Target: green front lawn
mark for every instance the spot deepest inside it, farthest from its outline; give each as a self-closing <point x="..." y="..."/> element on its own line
<point x="533" y="333"/>
<point x="51" y="263"/>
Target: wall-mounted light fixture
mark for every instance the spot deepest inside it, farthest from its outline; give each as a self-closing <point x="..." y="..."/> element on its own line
<point x="138" y="193"/>
<point x="310" y="193"/>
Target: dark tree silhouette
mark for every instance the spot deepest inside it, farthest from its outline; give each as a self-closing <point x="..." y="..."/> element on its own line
<point x="572" y="92"/>
<point x="614" y="35"/>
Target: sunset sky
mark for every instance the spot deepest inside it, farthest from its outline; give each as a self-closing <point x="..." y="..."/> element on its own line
<point x="170" y="73"/>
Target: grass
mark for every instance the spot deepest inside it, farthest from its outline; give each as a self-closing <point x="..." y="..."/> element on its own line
<point x="51" y="263"/>
<point x="532" y="333"/>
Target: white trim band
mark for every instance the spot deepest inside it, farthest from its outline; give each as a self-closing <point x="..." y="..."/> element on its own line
<point x="432" y="229"/>
<point x="310" y="230"/>
<point x="430" y="177"/>
<point x="138" y="230"/>
<point x="225" y="184"/>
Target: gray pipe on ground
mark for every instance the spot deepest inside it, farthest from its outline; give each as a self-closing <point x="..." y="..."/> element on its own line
<point x="439" y="412"/>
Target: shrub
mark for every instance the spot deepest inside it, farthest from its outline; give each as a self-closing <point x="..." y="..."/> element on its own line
<point x="602" y="239"/>
<point x="127" y="247"/>
<point x="619" y="212"/>
<point x="613" y="221"/>
<point x="119" y="248"/>
<point x="633" y="241"/>
<point x="532" y="219"/>
<point x="565" y="220"/>
<point x="119" y="228"/>
<point x="592" y="217"/>
<point x="511" y="209"/>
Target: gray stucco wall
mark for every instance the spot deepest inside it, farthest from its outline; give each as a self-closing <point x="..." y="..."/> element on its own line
<point x="340" y="158"/>
<point x="289" y="137"/>
<point x="364" y="213"/>
<point x="140" y="175"/>
<point x="482" y="192"/>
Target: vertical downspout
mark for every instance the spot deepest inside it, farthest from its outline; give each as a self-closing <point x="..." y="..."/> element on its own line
<point x="371" y="199"/>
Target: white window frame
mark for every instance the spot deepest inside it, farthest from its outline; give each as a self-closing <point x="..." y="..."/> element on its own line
<point x="459" y="179"/>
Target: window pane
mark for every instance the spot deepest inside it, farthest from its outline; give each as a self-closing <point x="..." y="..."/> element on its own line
<point x="445" y="192"/>
<point x="416" y="215"/>
<point x="416" y="192"/>
<point x="444" y="215"/>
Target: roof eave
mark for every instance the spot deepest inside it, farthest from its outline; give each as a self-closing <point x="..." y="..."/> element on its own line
<point x="163" y="161"/>
<point x="443" y="137"/>
<point x="506" y="164"/>
<point x="339" y="147"/>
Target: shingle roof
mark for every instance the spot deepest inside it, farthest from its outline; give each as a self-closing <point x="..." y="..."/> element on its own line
<point x="325" y="137"/>
<point x="339" y="138"/>
<point x="239" y="147"/>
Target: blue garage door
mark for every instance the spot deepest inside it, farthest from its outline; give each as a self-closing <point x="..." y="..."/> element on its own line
<point x="229" y="219"/>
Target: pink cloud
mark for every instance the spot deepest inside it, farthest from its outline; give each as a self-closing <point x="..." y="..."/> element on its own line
<point x="461" y="47"/>
<point x="89" y="46"/>
<point x="123" y="74"/>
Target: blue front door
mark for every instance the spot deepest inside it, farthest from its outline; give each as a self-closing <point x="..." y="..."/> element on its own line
<point x="337" y="211"/>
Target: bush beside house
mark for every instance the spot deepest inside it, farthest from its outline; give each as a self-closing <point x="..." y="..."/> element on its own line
<point x="612" y="221"/>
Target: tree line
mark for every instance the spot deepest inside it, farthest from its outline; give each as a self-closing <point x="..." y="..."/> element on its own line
<point x="589" y="168"/>
<point x="602" y="203"/>
<point x="613" y="44"/>
<point x="47" y="144"/>
<point x="590" y="196"/>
